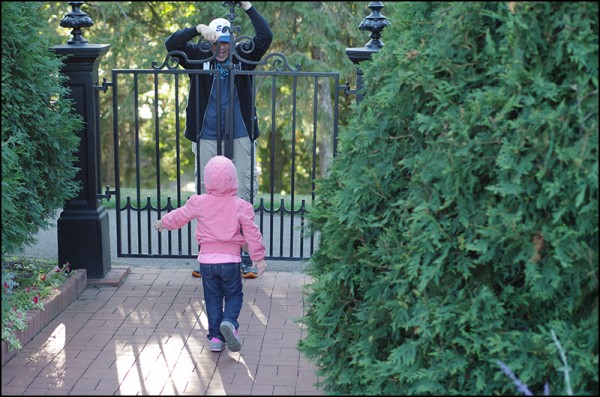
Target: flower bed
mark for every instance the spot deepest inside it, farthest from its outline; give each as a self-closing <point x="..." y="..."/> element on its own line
<point x="47" y="304"/>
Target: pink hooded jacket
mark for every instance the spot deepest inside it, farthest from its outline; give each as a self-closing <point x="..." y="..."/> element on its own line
<point x="220" y="214"/>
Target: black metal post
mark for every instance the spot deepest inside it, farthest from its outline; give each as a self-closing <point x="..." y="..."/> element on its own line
<point x="374" y="23"/>
<point x="83" y="226"/>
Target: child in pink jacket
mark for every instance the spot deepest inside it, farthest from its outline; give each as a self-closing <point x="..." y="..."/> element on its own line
<point x="221" y="217"/>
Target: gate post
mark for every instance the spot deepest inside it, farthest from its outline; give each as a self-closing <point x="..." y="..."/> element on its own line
<point x="83" y="227"/>
<point x="374" y="23"/>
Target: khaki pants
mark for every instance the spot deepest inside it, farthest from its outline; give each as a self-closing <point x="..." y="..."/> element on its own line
<point x="242" y="159"/>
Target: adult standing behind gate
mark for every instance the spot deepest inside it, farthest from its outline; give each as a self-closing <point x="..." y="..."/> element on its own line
<point x="206" y="118"/>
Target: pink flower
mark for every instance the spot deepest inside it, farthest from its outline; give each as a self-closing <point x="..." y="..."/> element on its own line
<point x="36" y="299"/>
<point x="44" y="277"/>
<point x="5" y="284"/>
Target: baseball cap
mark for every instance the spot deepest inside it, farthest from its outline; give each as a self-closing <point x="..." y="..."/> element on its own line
<point x="218" y="24"/>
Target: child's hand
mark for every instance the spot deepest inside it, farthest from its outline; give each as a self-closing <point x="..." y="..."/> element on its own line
<point x="261" y="265"/>
<point x="158" y="225"/>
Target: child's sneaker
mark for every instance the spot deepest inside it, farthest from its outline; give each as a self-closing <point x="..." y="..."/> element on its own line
<point x="216" y="345"/>
<point x="231" y="336"/>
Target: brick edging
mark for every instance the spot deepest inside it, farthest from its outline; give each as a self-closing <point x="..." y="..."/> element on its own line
<point x="54" y="304"/>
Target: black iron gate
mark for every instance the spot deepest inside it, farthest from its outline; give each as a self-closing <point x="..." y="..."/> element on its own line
<point x="154" y="163"/>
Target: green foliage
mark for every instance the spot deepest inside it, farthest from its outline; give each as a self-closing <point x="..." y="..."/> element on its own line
<point x="459" y="224"/>
<point x="25" y="284"/>
<point x="38" y="128"/>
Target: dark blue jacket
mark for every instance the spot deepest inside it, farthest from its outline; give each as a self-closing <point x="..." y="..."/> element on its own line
<point x="198" y="98"/>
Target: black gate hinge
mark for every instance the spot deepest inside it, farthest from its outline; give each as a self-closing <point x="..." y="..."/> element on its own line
<point x="346" y="89"/>
<point x="107" y="193"/>
<point x="104" y="85"/>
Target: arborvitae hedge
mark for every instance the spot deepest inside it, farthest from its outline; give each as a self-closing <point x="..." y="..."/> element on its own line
<point x="459" y="225"/>
<point x="38" y="128"/>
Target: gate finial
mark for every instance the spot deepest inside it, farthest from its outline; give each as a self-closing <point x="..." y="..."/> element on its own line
<point x="374" y="23"/>
<point x="231" y="15"/>
<point x="77" y="19"/>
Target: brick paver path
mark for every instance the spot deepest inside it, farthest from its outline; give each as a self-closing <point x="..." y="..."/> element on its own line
<point x="148" y="337"/>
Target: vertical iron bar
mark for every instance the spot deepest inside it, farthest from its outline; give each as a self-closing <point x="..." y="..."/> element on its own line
<point x="272" y="163"/>
<point x="157" y="156"/>
<point x="252" y="143"/>
<point x="189" y="238"/>
<point x="281" y="223"/>
<point x="217" y="84"/>
<point x="197" y="157"/>
<point x="129" y="226"/>
<point x="229" y="130"/>
<point x="170" y="236"/>
<point x="178" y="154"/>
<point x="149" y="222"/>
<point x="137" y="158"/>
<point x="293" y="165"/>
<point x="116" y="160"/>
<point x="261" y="207"/>
<point x="301" y="255"/>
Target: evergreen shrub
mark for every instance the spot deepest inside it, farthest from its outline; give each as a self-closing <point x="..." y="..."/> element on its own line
<point x="459" y="223"/>
<point x="38" y="128"/>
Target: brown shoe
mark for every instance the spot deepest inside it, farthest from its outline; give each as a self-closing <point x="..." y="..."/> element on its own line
<point x="249" y="272"/>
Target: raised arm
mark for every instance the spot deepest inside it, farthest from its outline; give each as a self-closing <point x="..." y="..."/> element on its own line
<point x="262" y="31"/>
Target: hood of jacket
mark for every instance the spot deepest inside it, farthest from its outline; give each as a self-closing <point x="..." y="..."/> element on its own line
<point x="220" y="177"/>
